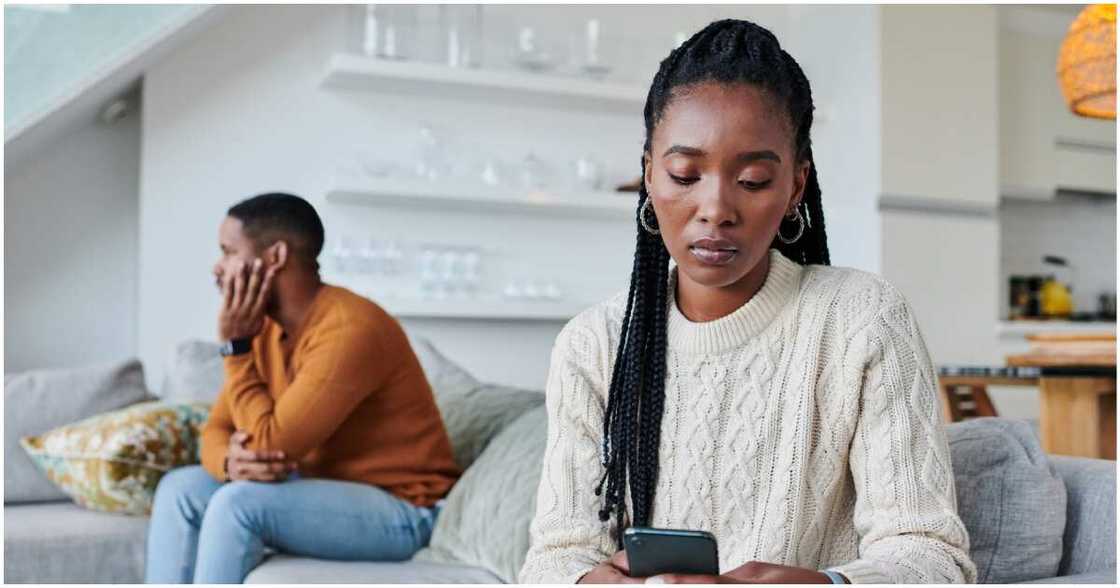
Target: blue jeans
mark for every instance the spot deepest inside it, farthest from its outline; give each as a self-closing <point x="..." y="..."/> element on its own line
<point x="208" y="532"/>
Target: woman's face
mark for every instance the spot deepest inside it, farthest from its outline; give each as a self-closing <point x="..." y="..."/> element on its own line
<point x="721" y="174"/>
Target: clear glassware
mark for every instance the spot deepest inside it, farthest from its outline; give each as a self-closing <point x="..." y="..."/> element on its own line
<point x="389" y="31"/>
<point x="472" y="259"/>
<point x="552" y="291"/>
<point x="462" y="34"/>
<point x="493" y="173"/>
<point x="587" y="173"/>
<point x="393" y="258"/>
<point x="428" y="274"/>
<point x="587" y="51"/>
<point x="432" y="162"/>
<point x="531" y="53"/>
<point x="448" y="271"/>
<point x="535" y="173"/>
<point x="343" y="253"/>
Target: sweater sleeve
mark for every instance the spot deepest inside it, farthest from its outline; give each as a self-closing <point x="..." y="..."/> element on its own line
<point x="906" y="505"/>
<point x="567" y="538"/>
<point x="338" y="371"/>
<point x="215" y="437"/>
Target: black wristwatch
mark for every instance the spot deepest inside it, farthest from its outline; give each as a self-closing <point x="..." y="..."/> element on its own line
<point x="236" y="347"/>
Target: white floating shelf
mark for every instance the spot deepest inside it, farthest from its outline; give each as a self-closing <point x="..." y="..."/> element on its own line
<point x="479" y="309"/>
<point x="356" y="72"/>
<point x="399" y="193"/>
<point x="1027" y="327"/>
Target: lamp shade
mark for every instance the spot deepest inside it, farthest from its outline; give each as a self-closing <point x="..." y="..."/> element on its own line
<point x="1087" y="63"/>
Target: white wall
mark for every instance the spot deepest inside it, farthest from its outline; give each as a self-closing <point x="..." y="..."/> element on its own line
<point x="70" y="241"/>
<point x="940" y="102"/>
<point x="236" y="113"/>
<point x="940" y="174"/>
<point x="846" y="130"/>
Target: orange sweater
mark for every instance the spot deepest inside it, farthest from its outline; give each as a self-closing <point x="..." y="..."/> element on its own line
<point x="347" y="400"/>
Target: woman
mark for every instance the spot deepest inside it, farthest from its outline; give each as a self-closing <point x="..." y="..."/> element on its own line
<point x="785" y="406"/>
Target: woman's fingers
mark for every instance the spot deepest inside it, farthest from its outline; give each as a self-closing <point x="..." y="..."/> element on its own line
<point x="620" y="561"/>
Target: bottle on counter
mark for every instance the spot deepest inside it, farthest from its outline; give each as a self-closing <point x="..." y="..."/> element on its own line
<point x="1019" y="298"/>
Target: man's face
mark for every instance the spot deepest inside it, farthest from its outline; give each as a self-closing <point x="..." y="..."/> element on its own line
<point x="238" y="251"/>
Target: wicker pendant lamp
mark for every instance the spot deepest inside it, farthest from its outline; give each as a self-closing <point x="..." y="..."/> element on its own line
<point x="1087" y="63"/>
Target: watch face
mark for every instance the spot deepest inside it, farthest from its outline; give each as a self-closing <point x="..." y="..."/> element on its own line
<point x="236" y="347"/>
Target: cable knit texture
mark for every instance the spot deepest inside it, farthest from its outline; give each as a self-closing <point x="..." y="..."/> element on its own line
<point x="802" y="429"/>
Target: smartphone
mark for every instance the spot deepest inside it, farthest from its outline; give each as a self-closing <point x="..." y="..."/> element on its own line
<point x="670" y="551"/>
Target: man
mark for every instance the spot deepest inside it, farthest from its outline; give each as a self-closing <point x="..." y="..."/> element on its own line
<point x="325" y="440"/>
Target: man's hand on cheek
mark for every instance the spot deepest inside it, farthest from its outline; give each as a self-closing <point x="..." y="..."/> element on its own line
<point x="245" y="290"/>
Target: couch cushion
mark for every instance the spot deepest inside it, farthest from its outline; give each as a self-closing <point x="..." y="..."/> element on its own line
<point x="286" y="569"/>
<point x="1010" y="499"/>
<point x="474" y="418"/>
<point x="194" y="373"/>
<point x="62" y="543"/>
<point x="38" y="401"/>
<point x="1090" y="539"/>
<point x="473" y="413"/>
<point x="497" y="493"/>
<point x="1102" y="576"/>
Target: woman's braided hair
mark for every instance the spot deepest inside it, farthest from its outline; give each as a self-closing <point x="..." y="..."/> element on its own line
<point x="729" y="52"/>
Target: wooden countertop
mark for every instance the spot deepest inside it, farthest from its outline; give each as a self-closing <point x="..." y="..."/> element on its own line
<point x="1068" y="350"/>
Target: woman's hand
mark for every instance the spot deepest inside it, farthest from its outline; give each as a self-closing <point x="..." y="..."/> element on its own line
<point x="752" y="572"/>
<point x="615" y="570"/>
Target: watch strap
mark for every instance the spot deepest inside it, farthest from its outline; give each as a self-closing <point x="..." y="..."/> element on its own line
<point x="236" y="347"/>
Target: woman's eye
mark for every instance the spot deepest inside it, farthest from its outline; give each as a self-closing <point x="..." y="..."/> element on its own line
<point x="684" y="181"/>
<point x="754" y="185"/>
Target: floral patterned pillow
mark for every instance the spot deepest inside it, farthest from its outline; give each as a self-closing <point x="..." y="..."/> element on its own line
<point x="113" y="461"/>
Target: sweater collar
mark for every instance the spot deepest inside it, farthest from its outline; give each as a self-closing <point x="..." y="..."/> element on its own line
<point x="734" y="330"/>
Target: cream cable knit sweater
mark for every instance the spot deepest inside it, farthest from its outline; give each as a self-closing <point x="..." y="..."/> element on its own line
<point x="802" y="429"/>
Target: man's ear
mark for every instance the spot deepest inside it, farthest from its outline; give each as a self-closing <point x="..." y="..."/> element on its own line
<point x="276" y="256"/>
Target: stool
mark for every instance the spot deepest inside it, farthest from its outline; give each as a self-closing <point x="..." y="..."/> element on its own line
<point x="966" y="396"/>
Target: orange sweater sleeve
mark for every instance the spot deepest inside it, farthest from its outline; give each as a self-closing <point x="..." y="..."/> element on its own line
<point x="215" y="437"/>
<point x="338" y="371"/>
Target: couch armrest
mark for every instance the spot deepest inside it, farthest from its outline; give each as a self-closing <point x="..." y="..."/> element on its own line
<point x="1105" y="576"/>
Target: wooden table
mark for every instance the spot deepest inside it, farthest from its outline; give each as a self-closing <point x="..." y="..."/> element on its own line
<point x="1078" y="411"/>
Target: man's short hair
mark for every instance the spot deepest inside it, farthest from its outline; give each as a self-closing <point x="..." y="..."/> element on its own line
<point x="276" y="216"/>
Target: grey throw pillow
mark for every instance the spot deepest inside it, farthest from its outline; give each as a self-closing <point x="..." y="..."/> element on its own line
<point x="1010" y="499"/>
<point x="475" y="417"/>
<point x="194" y="373"/>
<point x="473" y="413"/>
<point x="485" y="521"/>
<point x="38" y="401"/>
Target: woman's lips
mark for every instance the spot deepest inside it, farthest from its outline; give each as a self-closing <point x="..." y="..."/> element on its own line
<point x="710" y="256"/>
<point x="712" y="250"/>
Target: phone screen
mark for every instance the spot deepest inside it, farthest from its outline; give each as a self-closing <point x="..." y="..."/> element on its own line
<point x="653" y="551"/>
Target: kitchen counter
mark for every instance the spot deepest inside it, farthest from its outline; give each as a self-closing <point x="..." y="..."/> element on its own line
<point x="1020" y="329"/>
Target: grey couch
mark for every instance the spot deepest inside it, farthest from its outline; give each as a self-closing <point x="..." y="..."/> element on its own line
<point x="1031" y="517"/>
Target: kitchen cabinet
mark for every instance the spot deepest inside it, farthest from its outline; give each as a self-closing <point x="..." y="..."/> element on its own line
<point x="1043" y="146"/>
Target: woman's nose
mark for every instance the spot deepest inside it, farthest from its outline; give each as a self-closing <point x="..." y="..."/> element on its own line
<point x="716" y="204"/>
